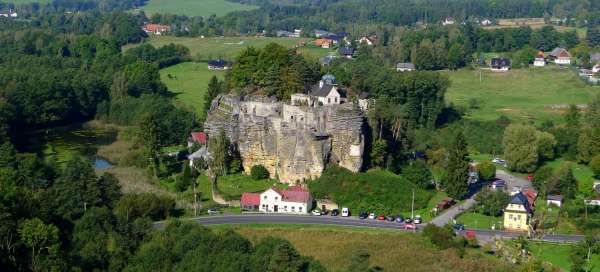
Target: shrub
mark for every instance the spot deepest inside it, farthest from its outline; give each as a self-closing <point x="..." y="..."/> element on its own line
<point x="259" y="172"/>
<point x="442" y="237"/>
<point x="487" y="170"/>
<point x="595" y="165"/>
<point x="132" y="206"/>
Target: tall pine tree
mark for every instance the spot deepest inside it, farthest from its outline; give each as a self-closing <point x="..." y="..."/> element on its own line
<point x="458" y="168"/>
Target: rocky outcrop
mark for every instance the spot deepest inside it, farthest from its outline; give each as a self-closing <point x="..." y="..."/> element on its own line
<point x="293" y="142"/>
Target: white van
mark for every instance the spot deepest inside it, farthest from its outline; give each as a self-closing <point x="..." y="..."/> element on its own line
<point x="345" y="212"/>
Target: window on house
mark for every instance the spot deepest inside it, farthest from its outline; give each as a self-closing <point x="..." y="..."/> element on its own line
<point x="293" y="208"/>
<point x="328" y="100"/>
<point x="285" y="208"/>
<point x="299" y="209"/>
<point x="510" y="216"/>
<point x="335" y="100"/>
<point x="519" y="217"/>
<point x="276" y="198"/>
<point x="265" y="197"/>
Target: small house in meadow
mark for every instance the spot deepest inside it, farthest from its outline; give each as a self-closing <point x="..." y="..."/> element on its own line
<point x="218" y="64"/>
<point x="560" y="56"/>
<point x="500" y="64"/>
<point x="554" y="199"/>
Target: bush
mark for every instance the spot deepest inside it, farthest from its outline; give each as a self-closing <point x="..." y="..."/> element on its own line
<point x="259" y="172"/>
<point x="442" y="237"/>
<point x="595" y="165"/>
<point x="132" y="206"/>
<point x="487" y="170"/>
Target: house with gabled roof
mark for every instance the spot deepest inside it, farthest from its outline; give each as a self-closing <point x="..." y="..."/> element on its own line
<point x="560" y="56"/>
<point x="405" y="67"/>
<point x="368" y="40"/>
<point x="218" y="64"/>
<point x="347" y="52"/>
<point x="326" y="92"/>
<point x="448" y="21"/>
<point x="156" y="29"/>
<point x="540" y="60"/>
<point x="500" y="64"/>
<point x="295" y="200"/>
<point x="518" y="212"/>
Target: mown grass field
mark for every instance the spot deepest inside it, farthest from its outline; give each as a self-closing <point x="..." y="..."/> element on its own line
<point x="390" y="250"/>
<point x="559" y="255"/>
<point x="229" y="47"/>
<point x="521" y="94"/>
<point x="232" y="186"/>
<point x="204" y="8"/>
<point x="479" y="221"/>
<point x="19" y="2"/>
<point x="189" y="82"/>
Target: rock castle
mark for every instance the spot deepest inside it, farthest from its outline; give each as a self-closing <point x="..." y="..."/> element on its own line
<point x="294" y="141"/>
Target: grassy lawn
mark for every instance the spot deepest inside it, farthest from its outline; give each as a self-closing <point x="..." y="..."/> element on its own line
<point x="559" y="255"/>
<point x="204" y="8"/>
<point x="582" y="173"/>
<point x="189" y="82"/>
<point x="232" y="186"/>
<point x="520" y="94"/>
<point x="425" y="213"/>
<point x="20" y="2"/>
<point x="390" y="250"/>
<point x="478" y="220"/>
<point x="229" y="47"/>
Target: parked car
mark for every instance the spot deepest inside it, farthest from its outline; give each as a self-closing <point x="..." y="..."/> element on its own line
<point x="381" y="217"/>
<point x="345" y="212"/>
<point x="390" y="218"/>
<point x="335" y="212"/>
<point x="372" y="216"/>
<point x="458" y="227"/>
<point x="399" y="219"/>
<point x="418" y="219"/>
<point x="212" y="211"/>
<point x="408" y="221"/>
<point x="363" y="215"/>
<point x="410" y="226"/>
<point x="316" y="212"/>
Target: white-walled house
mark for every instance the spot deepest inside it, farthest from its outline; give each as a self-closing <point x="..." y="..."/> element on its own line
<point x="294" y="200"/>
<point x="560" y="56"/>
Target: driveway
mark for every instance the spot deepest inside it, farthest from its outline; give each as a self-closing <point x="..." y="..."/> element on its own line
<point x="512" y="181"/>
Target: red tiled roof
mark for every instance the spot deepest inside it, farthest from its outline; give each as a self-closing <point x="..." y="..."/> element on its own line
<point x="250" y="199"/>
<point x="293" y="194"/>
<point x="199" y="137"/>
<point x="531" y="195"/>
<point x="156" y="27"/>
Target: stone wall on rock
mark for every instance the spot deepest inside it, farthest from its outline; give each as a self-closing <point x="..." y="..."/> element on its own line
<point x="294" y="143"/>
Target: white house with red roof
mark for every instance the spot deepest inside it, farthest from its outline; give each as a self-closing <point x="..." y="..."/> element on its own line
<point x="156" y="29"/>
<point x="294" y="200"/>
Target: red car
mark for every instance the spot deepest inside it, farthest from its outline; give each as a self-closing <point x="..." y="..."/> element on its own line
<point x="381" y="217"/>
<point x="410" y="226"/>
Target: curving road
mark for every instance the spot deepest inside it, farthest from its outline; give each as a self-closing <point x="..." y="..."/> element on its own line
<point x="483" y="235"/>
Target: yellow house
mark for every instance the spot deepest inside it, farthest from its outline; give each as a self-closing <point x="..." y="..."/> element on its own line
<point x="517" y="213"/>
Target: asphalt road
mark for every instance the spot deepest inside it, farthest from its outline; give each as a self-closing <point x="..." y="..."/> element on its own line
<point x="484" y="235"/>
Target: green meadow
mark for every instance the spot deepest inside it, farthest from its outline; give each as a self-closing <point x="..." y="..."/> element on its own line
<point x="531" y="94"/>
<point x="19" y="2"/>
<point x="189" y="81"/>
<point x="204" y="8"/>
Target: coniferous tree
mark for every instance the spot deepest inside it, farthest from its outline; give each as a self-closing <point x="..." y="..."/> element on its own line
<point x="214" y="89"/>
<point x="458" y="168"/>
<point x="219" y="149"/>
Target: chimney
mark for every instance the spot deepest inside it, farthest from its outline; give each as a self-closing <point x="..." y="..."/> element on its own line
<point x="320" y="84"/>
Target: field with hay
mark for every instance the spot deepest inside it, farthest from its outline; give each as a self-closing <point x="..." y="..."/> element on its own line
<point x="531" y="94"/>
<point x="388" y="249"/>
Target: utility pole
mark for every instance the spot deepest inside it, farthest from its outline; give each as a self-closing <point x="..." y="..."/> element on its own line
<point x="195" y="199"/>
<point x="412" y="211"/>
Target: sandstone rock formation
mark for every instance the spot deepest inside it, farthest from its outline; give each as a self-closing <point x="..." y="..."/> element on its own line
<point x="293" y="142"/>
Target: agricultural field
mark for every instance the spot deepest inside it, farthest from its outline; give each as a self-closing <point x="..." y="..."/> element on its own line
<point x="535" y="23"/>
<point x="189" y="81"/>
<point x="204" y="8"/>
<point x="521" y="94"/>
<point x="228" y="48"/>
<point x="388" y="249"/>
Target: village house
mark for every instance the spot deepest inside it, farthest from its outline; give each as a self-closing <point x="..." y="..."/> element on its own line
<point x="596" y="68"/>
<point x="517" y="213"/>
<point x="500" y="64"/>
<point x="326" y="60"/>
<point x="486" y="22"/>
<point x="323" y="43"/>
<point x="368" y="40"/>
<point x="554" y="199"/>
<point x="326" y="92"/>
<point x="405" y="67"/>
<point x="10" y="14"/>
<point x="156" y="29"/>
<point x="347" y="52"/>
<point x="540" y="60"/>
<point x="560" y="56"/>
<point x="284" y="33"/>
<point x="448" y="21"/>
<point x="218" y="64"/>
<point x="294" y="200"/>
<point x="320" y="33"/>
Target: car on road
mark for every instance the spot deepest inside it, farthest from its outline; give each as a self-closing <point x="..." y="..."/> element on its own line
<point x="372" y="216"/>
<point x="408" y="221"/>
<point x="212" y="211"/>
<point x="381" y="217"/>
<point x="390" y="218"/>
<point x="418" y="219"/>
<point x="363" y="215"/>
<point x="345" y="212"/>
<point x="410" y="226"/>
<point x="335" y="212"/>
<point x="458" y="227"/>
<point x="399" y="219"/>
<point x="316" y="212"/>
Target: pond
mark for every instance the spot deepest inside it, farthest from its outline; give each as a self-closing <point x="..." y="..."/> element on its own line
<point x="64" y="142"/>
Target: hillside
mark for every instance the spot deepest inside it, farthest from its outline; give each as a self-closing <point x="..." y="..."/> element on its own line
<point x="204" y="8"/>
